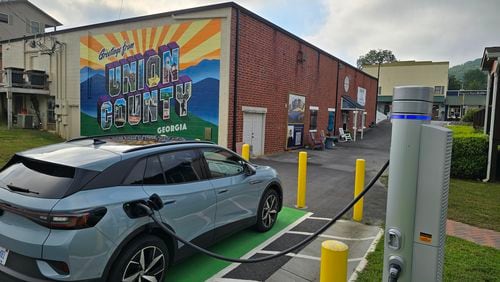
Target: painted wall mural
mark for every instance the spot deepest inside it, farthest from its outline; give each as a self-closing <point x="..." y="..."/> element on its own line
<point x="158" y="80"/>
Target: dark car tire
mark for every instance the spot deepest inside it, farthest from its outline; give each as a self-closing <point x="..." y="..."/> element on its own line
<point x="267" y="214"/>
<point x="128" y="262"/>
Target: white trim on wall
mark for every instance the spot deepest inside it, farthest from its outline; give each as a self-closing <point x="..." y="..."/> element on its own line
<point x="258" y="110"/>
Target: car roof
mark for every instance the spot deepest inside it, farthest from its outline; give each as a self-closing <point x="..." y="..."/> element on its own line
<point x="98" y="153"/>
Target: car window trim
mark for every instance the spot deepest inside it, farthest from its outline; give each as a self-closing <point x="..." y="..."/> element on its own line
<point x="138" y="160"/>
<point x="157" y="155"/>
<point x="224" y="149"/>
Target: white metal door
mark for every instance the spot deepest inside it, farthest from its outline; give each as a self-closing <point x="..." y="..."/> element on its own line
<point x="253" y="132"/>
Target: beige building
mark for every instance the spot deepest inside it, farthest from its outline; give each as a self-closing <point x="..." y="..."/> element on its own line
<point x="425" y="73"/>
<point x="21" y="18"/>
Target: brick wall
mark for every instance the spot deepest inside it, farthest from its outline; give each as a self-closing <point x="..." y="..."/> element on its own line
<point x="269" y="70"/>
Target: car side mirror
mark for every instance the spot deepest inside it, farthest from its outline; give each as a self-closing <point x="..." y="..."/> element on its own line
<point x="249" y="169"/>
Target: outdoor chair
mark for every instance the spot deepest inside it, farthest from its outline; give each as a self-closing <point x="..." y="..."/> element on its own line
<point x="316" y="143"/>
<point x="344" y="136"/>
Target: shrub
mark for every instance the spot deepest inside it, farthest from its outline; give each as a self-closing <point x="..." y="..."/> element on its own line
<point x="469" y="115"/>
<point x="464" y="131"/>
<point x="469" y="157"/>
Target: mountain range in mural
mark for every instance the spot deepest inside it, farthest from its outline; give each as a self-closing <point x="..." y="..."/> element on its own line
<point x="204" y="102"/>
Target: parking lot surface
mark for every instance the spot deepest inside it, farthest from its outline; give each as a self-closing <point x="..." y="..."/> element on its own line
<point x="330" y="175"/>
<point x="330" y="183"/>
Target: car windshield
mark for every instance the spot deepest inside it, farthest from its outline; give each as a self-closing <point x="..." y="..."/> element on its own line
<point x="36" y="178"/>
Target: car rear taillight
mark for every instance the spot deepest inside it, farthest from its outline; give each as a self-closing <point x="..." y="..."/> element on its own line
<point x="59" y="220"/>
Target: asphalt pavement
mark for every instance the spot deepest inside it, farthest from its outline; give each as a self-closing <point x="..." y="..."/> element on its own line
<point x="330" y="174"/>
<point x="330" y="185"/>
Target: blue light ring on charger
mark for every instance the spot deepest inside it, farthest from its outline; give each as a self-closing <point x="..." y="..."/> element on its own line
<point x="411" y="117"/>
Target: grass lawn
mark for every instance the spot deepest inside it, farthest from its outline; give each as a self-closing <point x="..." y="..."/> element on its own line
<point x="15" y="140"/>
<point x="470" y="202"/>
<point x="475" y="203"/>
<point x="463" y="261"/>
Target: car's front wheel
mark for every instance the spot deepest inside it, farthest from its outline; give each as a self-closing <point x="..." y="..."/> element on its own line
<point x="144" y="259"/>
<point x="268" y="210"/>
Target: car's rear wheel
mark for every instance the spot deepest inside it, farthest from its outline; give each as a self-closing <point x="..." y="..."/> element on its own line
<point x="144" y="259"/>
<point x="268" y="210"/>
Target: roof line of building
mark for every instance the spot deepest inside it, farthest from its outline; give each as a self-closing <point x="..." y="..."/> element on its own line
<point x="489" y="55"/>
<point x="36" y="8"/>
<point x="408" y="63"/>
<point x="192" y="10"/>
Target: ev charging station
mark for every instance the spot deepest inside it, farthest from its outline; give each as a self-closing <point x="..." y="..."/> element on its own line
<point x="417" y="200"/>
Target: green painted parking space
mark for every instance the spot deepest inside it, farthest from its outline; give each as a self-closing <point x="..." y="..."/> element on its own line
<point x="201" y="267"/>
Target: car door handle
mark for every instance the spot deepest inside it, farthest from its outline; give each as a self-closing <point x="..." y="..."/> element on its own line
<point x="169" y="202"/>
<point x="221" y="191"/>
<point x="255" y="182"/>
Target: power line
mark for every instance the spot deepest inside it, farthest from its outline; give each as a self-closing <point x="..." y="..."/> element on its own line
<point x="120" y="14"/>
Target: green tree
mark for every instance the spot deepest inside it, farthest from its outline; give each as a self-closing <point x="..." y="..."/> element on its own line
<point x="454" y="83"/>
<point x="475" y="80"/>
<point x="376" y="57"/>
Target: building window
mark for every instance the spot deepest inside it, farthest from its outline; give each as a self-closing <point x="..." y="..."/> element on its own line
<point x="313" y="112"/>
<point x="438" y="90"/>
<point x="51" y="105"/>
<point x="454" y="112"/>
<point x="4" y="18"/>
<point x="380" y="90"/>
<point x="34" y="27"/>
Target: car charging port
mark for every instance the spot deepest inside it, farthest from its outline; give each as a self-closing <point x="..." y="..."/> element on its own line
<point x="134" y="210"/>
<point x="395" y="268"/>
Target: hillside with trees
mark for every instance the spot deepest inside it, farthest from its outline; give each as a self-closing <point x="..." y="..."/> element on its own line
<point x="459" y="70"/>
<point x="467" y="76"/>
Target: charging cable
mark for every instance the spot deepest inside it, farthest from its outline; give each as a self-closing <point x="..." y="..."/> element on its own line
<point x="155" y="205"/>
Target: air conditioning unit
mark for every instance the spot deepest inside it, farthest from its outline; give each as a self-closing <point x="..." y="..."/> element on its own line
<point x="25" y="121"/>
<point x="37" y="79"/>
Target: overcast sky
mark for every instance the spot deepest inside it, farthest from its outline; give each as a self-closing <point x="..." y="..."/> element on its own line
<point x="450" y="30"/>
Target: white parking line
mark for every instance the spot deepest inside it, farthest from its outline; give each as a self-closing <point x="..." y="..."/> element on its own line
<point x="363" y="262"/>
<point x="320" y="218"/>
<point x="302" y="256"/>
<point x="331" y="236"/>
<point x="231" y="280"/>
<point x="328" y="219"/>
<point x="232" y="266"/>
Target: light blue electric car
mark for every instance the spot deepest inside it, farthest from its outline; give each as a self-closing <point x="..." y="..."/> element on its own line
<point x="66" y="211"/>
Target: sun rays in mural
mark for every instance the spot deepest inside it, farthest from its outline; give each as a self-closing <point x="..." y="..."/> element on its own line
<point x="198" y="40"/>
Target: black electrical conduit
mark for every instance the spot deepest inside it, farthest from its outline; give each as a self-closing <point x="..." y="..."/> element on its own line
<point x="150" y="213"/>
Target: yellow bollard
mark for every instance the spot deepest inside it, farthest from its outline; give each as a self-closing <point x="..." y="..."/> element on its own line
<point x="301" y="181"/>
<point x="359" y="184"/>
<point x="333" y="261"/>
<point x="245" y="152"/>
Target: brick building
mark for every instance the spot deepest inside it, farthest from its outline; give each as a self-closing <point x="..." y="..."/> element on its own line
<point x="218" y="72"/>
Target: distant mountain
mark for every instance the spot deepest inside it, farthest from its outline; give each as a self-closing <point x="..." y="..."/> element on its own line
<point x="86" y="73"/>
<point x="205" y="100"/>
<point x="90" y="90"/>
<point x="459" y="70"/>
<point x="204" y="103"/>
<point x="204" y="69"/>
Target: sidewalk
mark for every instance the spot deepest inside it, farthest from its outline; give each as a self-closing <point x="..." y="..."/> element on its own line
<point x="477" y="235"/>
<point x="304" y="265"/>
